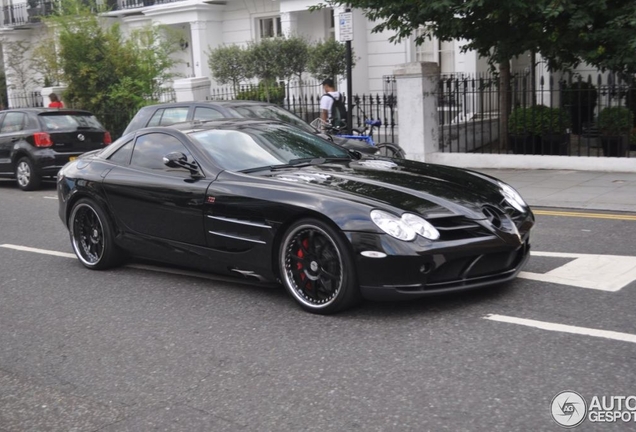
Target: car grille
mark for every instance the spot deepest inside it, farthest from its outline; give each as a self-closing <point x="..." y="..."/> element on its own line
<point x="458" y="228"/>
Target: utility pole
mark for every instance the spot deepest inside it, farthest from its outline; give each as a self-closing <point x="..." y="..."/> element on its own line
<point x="345" y="21"/>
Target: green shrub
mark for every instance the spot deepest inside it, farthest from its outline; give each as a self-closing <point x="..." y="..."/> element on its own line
<point x="262" y="92"/>
<point x="580" y="94"/>
<point x="615" y="120"/>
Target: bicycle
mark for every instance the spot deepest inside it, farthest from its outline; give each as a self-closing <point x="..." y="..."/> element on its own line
<point x="384" y="149"/>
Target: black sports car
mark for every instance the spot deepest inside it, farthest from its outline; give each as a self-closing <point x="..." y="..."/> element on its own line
<point x="263" y="200"/>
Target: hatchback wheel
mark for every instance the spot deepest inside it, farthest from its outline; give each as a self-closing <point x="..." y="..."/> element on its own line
<point x="26" y="176"/>
<point x="92" y="236"/>
<point x="317" y="269"/>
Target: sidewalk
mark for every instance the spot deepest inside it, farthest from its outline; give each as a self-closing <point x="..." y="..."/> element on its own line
<point x="572" y="189"/>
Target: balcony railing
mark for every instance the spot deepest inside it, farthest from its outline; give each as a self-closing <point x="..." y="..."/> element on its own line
<point x="132" y="4"/>
<point x="15" y="15"/>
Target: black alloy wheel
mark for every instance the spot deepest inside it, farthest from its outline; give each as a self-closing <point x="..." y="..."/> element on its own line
<point x="92" y="236"/>
<point x="26" y="175"/>
<point x="317" y="268"/>
<point x="390" y="150"/>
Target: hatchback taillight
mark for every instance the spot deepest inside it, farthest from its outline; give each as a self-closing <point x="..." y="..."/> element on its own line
<point x="107" y="138"/>
<point x="42" y="139"/>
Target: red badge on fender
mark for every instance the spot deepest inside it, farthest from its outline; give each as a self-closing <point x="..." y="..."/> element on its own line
<point x="210" y="200"/>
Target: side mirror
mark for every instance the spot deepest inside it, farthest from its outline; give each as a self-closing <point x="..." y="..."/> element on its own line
<point x="180" y="160"/>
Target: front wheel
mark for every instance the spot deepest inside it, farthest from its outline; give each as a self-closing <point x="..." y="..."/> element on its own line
<point x="317" y="269"/>
<point x="390" y="150"/>
<point x="92" y="236"/>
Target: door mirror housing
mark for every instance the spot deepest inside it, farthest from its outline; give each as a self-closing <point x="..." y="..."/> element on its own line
<point x="180" y="160"/>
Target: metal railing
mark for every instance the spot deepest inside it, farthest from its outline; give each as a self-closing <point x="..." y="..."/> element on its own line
<point x="28" y="12"/>
<point x="572" y="116"/>
<point x="305" y="103"/>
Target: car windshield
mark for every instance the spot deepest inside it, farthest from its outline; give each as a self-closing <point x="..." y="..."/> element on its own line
<point x="272" y="112"/>
<point x="264" y="146"/>
<point x="70" y="121"/>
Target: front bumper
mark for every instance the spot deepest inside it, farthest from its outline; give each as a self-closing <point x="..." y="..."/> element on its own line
<point x="419" y="268"/>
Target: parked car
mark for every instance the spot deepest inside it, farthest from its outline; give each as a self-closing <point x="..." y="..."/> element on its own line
<point x="170" y="113"/>
<point x="266" y="201"/>
<point x="37" y="142"/>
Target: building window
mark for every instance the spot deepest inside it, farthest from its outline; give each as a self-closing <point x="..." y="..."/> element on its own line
<point x="431" y="50"/>
<point x="269" y="27"/>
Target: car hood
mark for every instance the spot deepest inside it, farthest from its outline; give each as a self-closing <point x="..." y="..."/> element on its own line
<point x="426" y="189"/>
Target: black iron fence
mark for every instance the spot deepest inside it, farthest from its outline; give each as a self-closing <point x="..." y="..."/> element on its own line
<point x="30" y="99"/>
<point x="565" y="115"/>
<point x="304" y="101"/>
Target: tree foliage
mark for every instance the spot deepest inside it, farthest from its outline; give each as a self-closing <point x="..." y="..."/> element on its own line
<point x="328" y="59"/>
<point x="565" y="32"/>
<point x="229" y="64"/>
<point x="103" y="69"/>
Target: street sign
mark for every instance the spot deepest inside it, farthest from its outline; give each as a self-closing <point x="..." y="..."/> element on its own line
<point x="345" y="21"/>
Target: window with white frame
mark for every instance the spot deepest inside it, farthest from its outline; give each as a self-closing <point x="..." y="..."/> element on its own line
<point x="269" y="27"/>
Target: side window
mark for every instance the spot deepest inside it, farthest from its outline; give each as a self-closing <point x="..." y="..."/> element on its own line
<point x="204" y="114"/>
<point x="13" y="122"/>
<point x="168" y="116"/>
<point x="122" y="155"/>
<point x="151" y="148"/>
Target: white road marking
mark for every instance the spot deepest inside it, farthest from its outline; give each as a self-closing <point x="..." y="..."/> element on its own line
<point x="50" y="197"/>
<point x="543" y="325"/>
<point x="40" y="251"/>
<point x="169" y="270"/>
<point x="599" y="272"/>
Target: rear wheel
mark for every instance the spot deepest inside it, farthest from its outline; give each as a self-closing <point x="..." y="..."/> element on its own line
<point x="92" y="236"/>
<point x="390" y="150"/>
<point x="317" y="269"/>
<point x="26" y="176"/>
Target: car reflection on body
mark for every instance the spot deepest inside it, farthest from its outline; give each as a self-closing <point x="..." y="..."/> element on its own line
<point x="264" y="200"/>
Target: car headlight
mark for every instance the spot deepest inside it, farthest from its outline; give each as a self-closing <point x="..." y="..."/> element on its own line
<point x="393" y="225"/>
<point x="405" y="228"/>
<point x="421" y="226"/>
<point x="512" y="197"/>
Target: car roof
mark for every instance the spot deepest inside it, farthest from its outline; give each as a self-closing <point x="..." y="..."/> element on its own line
<point x="226" y="123"/>
<point x="228" y="103"/>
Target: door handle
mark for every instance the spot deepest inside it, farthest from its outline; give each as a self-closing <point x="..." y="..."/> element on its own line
<point x="15" y="139"/>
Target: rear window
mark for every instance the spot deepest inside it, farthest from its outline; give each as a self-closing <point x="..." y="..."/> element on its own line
<point x="70" y="121"/>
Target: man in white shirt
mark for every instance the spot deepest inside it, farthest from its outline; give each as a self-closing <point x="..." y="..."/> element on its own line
<point x="326" y="102"/>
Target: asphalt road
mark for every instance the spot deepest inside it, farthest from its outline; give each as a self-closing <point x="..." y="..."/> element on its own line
<point x="135" y="349"/>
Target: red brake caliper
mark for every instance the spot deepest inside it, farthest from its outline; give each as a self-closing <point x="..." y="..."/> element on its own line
<point x="299" y="266"/>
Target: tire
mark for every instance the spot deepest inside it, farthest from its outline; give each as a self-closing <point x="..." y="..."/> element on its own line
<point x="390" y="150"/>
<point x="317" y="269"/>
<point x="92" y="236"/>
<point x="26" y="175"/>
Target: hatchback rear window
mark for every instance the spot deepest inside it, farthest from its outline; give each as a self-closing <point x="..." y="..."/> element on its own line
<point x="70" y="121"/>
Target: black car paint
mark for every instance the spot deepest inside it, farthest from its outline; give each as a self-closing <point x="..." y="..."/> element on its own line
<point x="225" y="109"/>
<point x="170" y="219"/>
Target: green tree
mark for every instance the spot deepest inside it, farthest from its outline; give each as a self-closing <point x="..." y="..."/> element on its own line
<point x="294" y="57"/>
<point x="229" y="65"/>
<point x="264" y="60"/>
<point x="105" y="71"/>
<point x="328" y="59"/>
<point x="563" y="31"/>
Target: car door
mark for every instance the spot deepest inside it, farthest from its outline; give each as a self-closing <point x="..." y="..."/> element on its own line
<point x="151" y="199"/>
<point x="12" y="131"/>
<point x="5" y="151"/>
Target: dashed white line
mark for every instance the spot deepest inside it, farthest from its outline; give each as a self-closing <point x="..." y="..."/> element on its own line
<point x="544" y="325"/>
<point x="50" y="197"/>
